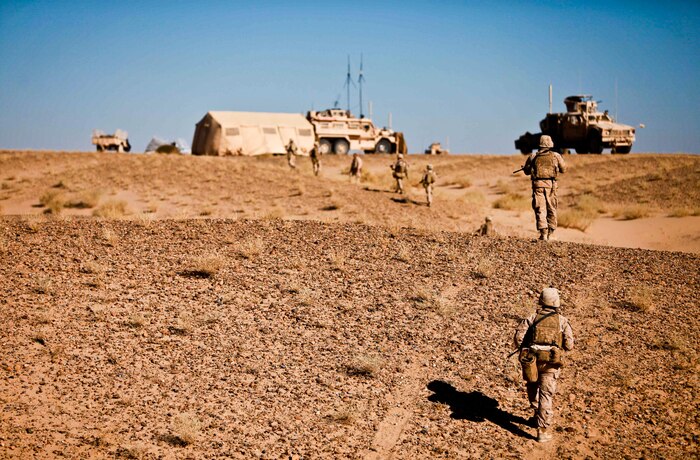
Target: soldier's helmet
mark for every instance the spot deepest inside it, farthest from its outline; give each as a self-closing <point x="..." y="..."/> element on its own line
<point x="400" y="156"/>
<point x="355" y="155"/>
<point x="549" y="297"/>
<point x="488" y="218"/>
<point x="429" y="167"/>
<point x="546" y="142"/>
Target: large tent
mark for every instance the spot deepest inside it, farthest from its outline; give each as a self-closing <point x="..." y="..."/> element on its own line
<point x="251" y="133"/>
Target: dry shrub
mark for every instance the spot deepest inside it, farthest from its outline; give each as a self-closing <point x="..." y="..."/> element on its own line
<point x="182" y="326"/>
<point x="85" y="200"/>
<point x="364" y="366"/>
<point x="251" y="248"/>
<point x="512" y="202"/>
<point x="42" y="285"/>
<point x="575" y="218"/>
<point x="207" y="211"/>
<point x="111" y="209"/>
<point x="186" y="428"/>
<point x="206" y="266"/>
<point x="684" y="212"/>
<point x="403" y="254"/>
<point x="472" y="197"/>
<point x="631" y="212"/>
<point x="344" y="416"/>
<point x="462" y="182"/>
<point x="276" y="213"/>
<point x="143" y="219"/>
<point x="54" y="201"/>
<point x="92" y="267"/>
<point x="427" y="300"/>
<point x="337" y="260"/>
<point x="136" y="321"/>
<point x="590" y="204"/>
<point x="335" y="205"/>
<point x="485" y="268"/>
<point x="32" y="224"/>
<point x="641" y="299"/>
<point x="109" y="236"/>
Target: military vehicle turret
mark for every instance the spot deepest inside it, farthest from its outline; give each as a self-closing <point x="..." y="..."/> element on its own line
<point x="582" y="128"/>
<point x="338" y="131"/>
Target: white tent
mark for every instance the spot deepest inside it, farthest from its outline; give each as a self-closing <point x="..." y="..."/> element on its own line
<point x="251" y="133"/>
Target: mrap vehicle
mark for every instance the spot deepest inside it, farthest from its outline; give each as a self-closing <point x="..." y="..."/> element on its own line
<point x="582" y="127"/>
<point x="338" y="131"/>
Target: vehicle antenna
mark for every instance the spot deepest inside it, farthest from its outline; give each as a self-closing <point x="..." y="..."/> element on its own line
<point x="550" y="98"/>
<point x="348" y="82"/>
<point x="361" y="79"/>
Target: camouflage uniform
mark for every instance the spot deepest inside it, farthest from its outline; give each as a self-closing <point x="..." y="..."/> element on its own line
<point x="548" y="322"/>
<point x="543" y="167"/>
<point x="315" y="158"/>
<point x="356" y="168"/>
<point x="429" y="178"/>
<point x="486" y="228"/>
<point x="400" y="172"/>
<point x="291" y="154"/>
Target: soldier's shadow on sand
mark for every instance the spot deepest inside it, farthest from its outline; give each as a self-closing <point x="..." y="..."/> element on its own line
<point x="476" y="407"/>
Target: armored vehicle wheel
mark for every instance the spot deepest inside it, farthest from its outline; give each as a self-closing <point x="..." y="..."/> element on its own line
<point x="621" y="149"/>
<point x="100" y="148"/>
<point x="383" y="146"/>
<point x="595" y="145"/>
<point x="581" y="150"/>
<point x="325" y="146"/>
<point x="341" y="147"/>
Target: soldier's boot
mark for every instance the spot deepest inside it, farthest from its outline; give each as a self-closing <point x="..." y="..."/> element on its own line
<point x="543" y="234"/>
<point x="550" y="235"/>
<point x="543" y="435"/>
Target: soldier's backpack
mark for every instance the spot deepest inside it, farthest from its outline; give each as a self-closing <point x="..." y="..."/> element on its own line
<point x="545" y="329"/>
<point x="545" y="166"/>
<point x="429" y="178"/>
<point x="400" y="169"/>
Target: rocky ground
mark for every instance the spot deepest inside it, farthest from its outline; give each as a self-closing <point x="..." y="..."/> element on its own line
<point x="273" y="338"/>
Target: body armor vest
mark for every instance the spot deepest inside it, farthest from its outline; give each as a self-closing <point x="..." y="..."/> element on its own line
<point x="429" y="178"/>
<point x="546" y="329"/>
<point x="400" y="169"/>
<point x="545" y="166"/>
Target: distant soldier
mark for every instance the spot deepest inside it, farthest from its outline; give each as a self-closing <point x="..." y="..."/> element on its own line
<point x="486" y="228"/>
<point x="316" y="158"/>
<point x="400" y="172"/>
<point x="291" y="154"/>
<point x="543" y="167"/>
<point x="542" y="339"/>
<point x="427" y="182"/>
<point x="356" y="168"/>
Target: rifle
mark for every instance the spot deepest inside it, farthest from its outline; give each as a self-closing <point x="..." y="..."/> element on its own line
<point x="518" y="170"/>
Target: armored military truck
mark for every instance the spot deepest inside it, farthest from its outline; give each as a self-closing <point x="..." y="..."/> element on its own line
<point x="338" y="131"/>
<point x="119" y="141"/>
<point x="582" y="128"/>
<point x="436" y="149"/>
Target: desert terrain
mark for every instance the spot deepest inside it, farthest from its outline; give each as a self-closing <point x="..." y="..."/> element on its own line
<point x="184" y="307"/>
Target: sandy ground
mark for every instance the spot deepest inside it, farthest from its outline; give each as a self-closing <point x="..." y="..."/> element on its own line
<point x="184" y="307"/>
<point x="665" y="187"/>
<point x="282" y="339"/>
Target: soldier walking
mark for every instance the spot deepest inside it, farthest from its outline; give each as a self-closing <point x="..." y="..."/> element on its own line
<point x="356" y="168"/>
<point x="427" y="181"/>
<point x="542" y="338"/>
<point x="316" y="158"/>
<point x="543" y="167"/>
<point x="291" y="154"/>
<point x="400" y="172"/>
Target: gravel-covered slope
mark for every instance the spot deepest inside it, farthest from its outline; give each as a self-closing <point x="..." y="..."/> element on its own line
<point x="319" y="340"/>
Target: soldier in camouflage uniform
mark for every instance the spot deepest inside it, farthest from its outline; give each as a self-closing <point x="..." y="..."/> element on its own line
<point x="291" y="154"/>
<point x="543" y="167"/>
<point x="400" y="172"/>
<point x="316" y="158"/>
<point x="356" y="168"/>
<point x="429" y="178"/>
<point x="486" y="228"/>
<point x="542" y="337"/>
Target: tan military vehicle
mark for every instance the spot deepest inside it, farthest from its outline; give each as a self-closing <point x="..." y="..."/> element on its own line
<point x="118" y="141"/>
<point x="582" y="128"/>
<point x="436" y="149"/>
<point x="338" y="131"/>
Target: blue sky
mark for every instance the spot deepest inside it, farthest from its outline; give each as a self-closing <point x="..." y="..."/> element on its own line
<point x="474" y="72"/>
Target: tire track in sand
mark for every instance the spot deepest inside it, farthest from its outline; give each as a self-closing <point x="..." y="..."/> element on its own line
<point x="391" y="427"/>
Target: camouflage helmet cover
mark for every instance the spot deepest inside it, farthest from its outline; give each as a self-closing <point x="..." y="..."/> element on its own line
<point x="429" y="167"/>
<point x="400" y="156"/>
<point x="546" y="142"/>
<point x="488" y="219"/>
<point x="549" y="297"/>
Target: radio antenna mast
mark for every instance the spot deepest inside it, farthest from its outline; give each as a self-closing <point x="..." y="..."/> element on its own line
<point x="360" y="80"/>
<point x="348" y="82"/>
